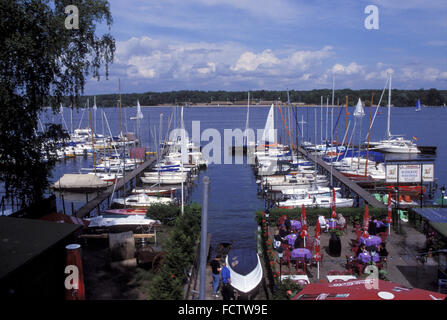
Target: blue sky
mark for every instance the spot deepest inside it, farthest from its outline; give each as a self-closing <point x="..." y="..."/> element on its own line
<point x="165" y="45"/>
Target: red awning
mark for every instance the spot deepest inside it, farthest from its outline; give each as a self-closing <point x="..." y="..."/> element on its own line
<point x="365" y="290"/>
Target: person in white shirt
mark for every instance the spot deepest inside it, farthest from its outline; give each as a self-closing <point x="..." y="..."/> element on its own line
<point x="324" y="224"/>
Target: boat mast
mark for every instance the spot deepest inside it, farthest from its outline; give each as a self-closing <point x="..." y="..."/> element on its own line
<point x="183" y="147"/>
<point x="246" y="122"/>
<point x="369" y="131"/>
<point x="93" y="138"/>
<point x="388" y="133"/>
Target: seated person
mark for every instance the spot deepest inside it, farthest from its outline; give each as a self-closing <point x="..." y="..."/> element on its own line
<point x="372" y="227"/>
<point x="291" y="238"/>
<point x="364" y="256"/>
<point x="277" y="240"/>
<point x="380" y="226"/>
<point x="383" y="253"/>
<point x="283" y="232"/>
<point x="324" y="224"/>
<point x="361" y="249"/>
<point x="341" y="221"/>
<point x="295" y="224"/>
<point x="298" y="243"/>
<point x="375" y="256"/>
<point x="287" y="224"/>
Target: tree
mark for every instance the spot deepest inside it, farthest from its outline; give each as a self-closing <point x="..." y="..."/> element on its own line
<point x="41" y="61"/>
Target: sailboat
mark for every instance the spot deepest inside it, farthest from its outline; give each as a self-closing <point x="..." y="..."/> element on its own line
<point x="418" y="105"/>
<point x="394" y="143"/>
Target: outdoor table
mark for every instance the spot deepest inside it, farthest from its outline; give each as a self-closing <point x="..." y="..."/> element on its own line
<point x="301" y="253"/>
<point x="341" y="277"/>
<point x="366" y="257"/>
<point x="371" y="241"/>
<point x="332" y="224"/>
<point x="296" y="224"/>
<point x="291" y="238"/>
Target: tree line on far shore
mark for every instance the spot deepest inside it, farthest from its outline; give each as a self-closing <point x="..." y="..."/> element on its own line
<point x="400" y="98"/>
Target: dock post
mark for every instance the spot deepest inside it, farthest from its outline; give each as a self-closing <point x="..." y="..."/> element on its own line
<point x="63" y="202"/>
<point x="203" y="238"/>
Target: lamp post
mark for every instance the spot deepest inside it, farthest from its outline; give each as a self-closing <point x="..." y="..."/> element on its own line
<point x="396" y="191"/>
<point x="442" y="196"/>
<point x="280" y="255"/>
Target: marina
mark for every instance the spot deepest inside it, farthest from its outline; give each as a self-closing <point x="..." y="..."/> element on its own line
<point x="211" y="153"/>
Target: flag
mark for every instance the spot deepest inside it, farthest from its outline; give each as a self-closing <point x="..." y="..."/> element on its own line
<point x="415" y="138"/>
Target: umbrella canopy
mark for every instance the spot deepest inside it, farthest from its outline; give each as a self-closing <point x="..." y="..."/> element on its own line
<point x="303" y="222"/>
<point x="389" y="218"/>
<point x="334" y="214"/>
<point x="365" y="290"/>
<point x="317" y="242"/>
<point x="365" y="222"/>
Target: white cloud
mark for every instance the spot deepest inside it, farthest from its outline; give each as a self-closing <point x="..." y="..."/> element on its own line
<point x="250" y="61"/>
<point x="352" y="68"/>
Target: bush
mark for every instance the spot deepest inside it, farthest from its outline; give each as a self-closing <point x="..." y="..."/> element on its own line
<point x="180" y="254"/>
<point x="286" y="289"/>
<point x="166" y="213"/>
<point x="351" y="214"/>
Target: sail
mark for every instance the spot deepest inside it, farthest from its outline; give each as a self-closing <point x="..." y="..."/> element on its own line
<point x="139" y="114"/>
<point x="418" y="105"/>
<point x="94" y="103"/>
<point x="269" y="130"/>
<point x="359" y="112"/>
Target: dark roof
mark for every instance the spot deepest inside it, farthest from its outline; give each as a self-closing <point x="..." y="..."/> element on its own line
<point x="242" y="261"/>
<point x="438" y="215"/>
<point x="21" y="240"/>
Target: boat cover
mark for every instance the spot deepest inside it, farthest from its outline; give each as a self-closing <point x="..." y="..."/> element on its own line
<point x="245" y="269"/>
<point x="80" y="181"/>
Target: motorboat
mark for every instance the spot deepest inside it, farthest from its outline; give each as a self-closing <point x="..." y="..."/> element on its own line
<point x="316" y="202"/>
<point x="245" y="269"/>
<point x="141" y="200"/>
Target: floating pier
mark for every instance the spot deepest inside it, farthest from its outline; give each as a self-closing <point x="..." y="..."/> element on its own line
<point x="352" y="185"/>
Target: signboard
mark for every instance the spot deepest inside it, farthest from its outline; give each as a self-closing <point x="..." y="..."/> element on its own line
<point x="391" y="173"/>
<point x="428" y="172"/>
<point x="409" y="173"/>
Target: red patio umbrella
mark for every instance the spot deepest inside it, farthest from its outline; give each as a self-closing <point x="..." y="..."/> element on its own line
<point x="365" y="223"/>
<point x="365" y="290"/>
<point x="317" y="248"/>
<point x="389" y="219"/>
<point x="303" y="233"/>
<point x="334" y="214"/>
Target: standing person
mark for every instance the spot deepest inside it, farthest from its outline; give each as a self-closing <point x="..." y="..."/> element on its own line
<point x="227" y="291"/>
<point x="215" y="268"/>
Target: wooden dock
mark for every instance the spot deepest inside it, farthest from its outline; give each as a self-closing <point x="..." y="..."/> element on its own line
<point x="105" y="194"/>
<point x="353" y="186"/>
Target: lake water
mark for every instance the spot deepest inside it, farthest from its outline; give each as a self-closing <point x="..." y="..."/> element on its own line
<point x="233" y="191"/>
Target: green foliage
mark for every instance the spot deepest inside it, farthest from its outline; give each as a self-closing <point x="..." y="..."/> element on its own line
<point x="166" y="213"/>
<point x="180" y="254"/>
<point x="41" y="62"/>
<point x="286" y="289"/>
<point x="401" y="98"/>
<point x="350" y="214"/>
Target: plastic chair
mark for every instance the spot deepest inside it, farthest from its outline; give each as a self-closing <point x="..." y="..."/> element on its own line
<point x="442" y="285"/>
<point x="300" y="263"/>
